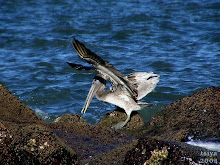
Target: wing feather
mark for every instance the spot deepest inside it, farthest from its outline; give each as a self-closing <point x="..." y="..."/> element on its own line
<point x="107" y="70"/>
<point x="143" y="82"/>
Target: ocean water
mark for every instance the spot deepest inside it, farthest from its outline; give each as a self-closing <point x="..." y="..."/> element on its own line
<point x="179" y="40"/>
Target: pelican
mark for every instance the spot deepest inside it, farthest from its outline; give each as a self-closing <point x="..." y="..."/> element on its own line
<point x="125" y="91"/>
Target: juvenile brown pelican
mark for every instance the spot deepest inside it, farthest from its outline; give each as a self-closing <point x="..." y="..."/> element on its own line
<point x="125" y="92"/>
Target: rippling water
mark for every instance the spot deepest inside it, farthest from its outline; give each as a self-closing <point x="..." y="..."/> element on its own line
<point x="179" y="40"/>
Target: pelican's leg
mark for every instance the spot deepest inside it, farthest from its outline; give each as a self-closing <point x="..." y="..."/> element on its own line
<point x="123" y="123"/>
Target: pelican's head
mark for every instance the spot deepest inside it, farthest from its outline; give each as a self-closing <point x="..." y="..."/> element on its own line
<point x="98" y="84"/>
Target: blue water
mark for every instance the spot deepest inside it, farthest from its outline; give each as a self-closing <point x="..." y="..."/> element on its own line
<point x="179" y="40"/>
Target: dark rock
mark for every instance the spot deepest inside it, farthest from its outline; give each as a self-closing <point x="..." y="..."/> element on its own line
<point x="152" y="151"/>
<point x="12" y="109"/>
<point x="162" y="141"/>
<point x="25" y="139"/>
<point x="135" y="125"/>
<point x="93" y="144"/>
<point x="196" y="116"/>
<point x="113" y="118"/>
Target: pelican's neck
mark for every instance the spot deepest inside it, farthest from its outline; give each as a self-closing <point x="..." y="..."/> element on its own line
<point x="101" y="94"/>
<point x="102" y="84"/>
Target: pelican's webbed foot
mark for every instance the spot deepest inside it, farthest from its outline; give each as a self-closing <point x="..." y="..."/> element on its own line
<point x="121" y="124"/>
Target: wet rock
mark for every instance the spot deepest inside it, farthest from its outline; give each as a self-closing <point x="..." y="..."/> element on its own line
<point x="135" y="125"/>
<point x="12" y="109"/>
<point x="113" y="118"/>
<point x="25" y="139"/>
<point x="114" y="156"/>
<point x="196" y="116"/>
<point x="162" y="141"/>
<point x="152" y="151"/>
<point x="93" y="144"/>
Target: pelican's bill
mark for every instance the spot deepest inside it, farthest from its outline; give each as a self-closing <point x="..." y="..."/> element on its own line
<point x="96" y="85"/>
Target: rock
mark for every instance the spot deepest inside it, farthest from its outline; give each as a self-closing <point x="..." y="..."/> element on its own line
<point x="12" y="109"/>
<point x="25" y="139"/>
<point x="195" y="116"/>
<point x="152" y="151"/>
<point x="114" y="156"/>
<point x="94" y="144"/>
<point x="135" y="125"/>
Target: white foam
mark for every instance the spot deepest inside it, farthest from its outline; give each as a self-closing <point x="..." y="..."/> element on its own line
<point x="214" y="146"/>
<point x="43" y="115"/>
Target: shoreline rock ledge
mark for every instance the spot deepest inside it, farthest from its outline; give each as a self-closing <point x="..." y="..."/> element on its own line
<point x="26" y="139"/>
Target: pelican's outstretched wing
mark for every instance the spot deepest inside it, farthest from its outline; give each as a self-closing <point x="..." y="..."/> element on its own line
<point x="143" y="82"/>
<point x="105" y="69"/>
